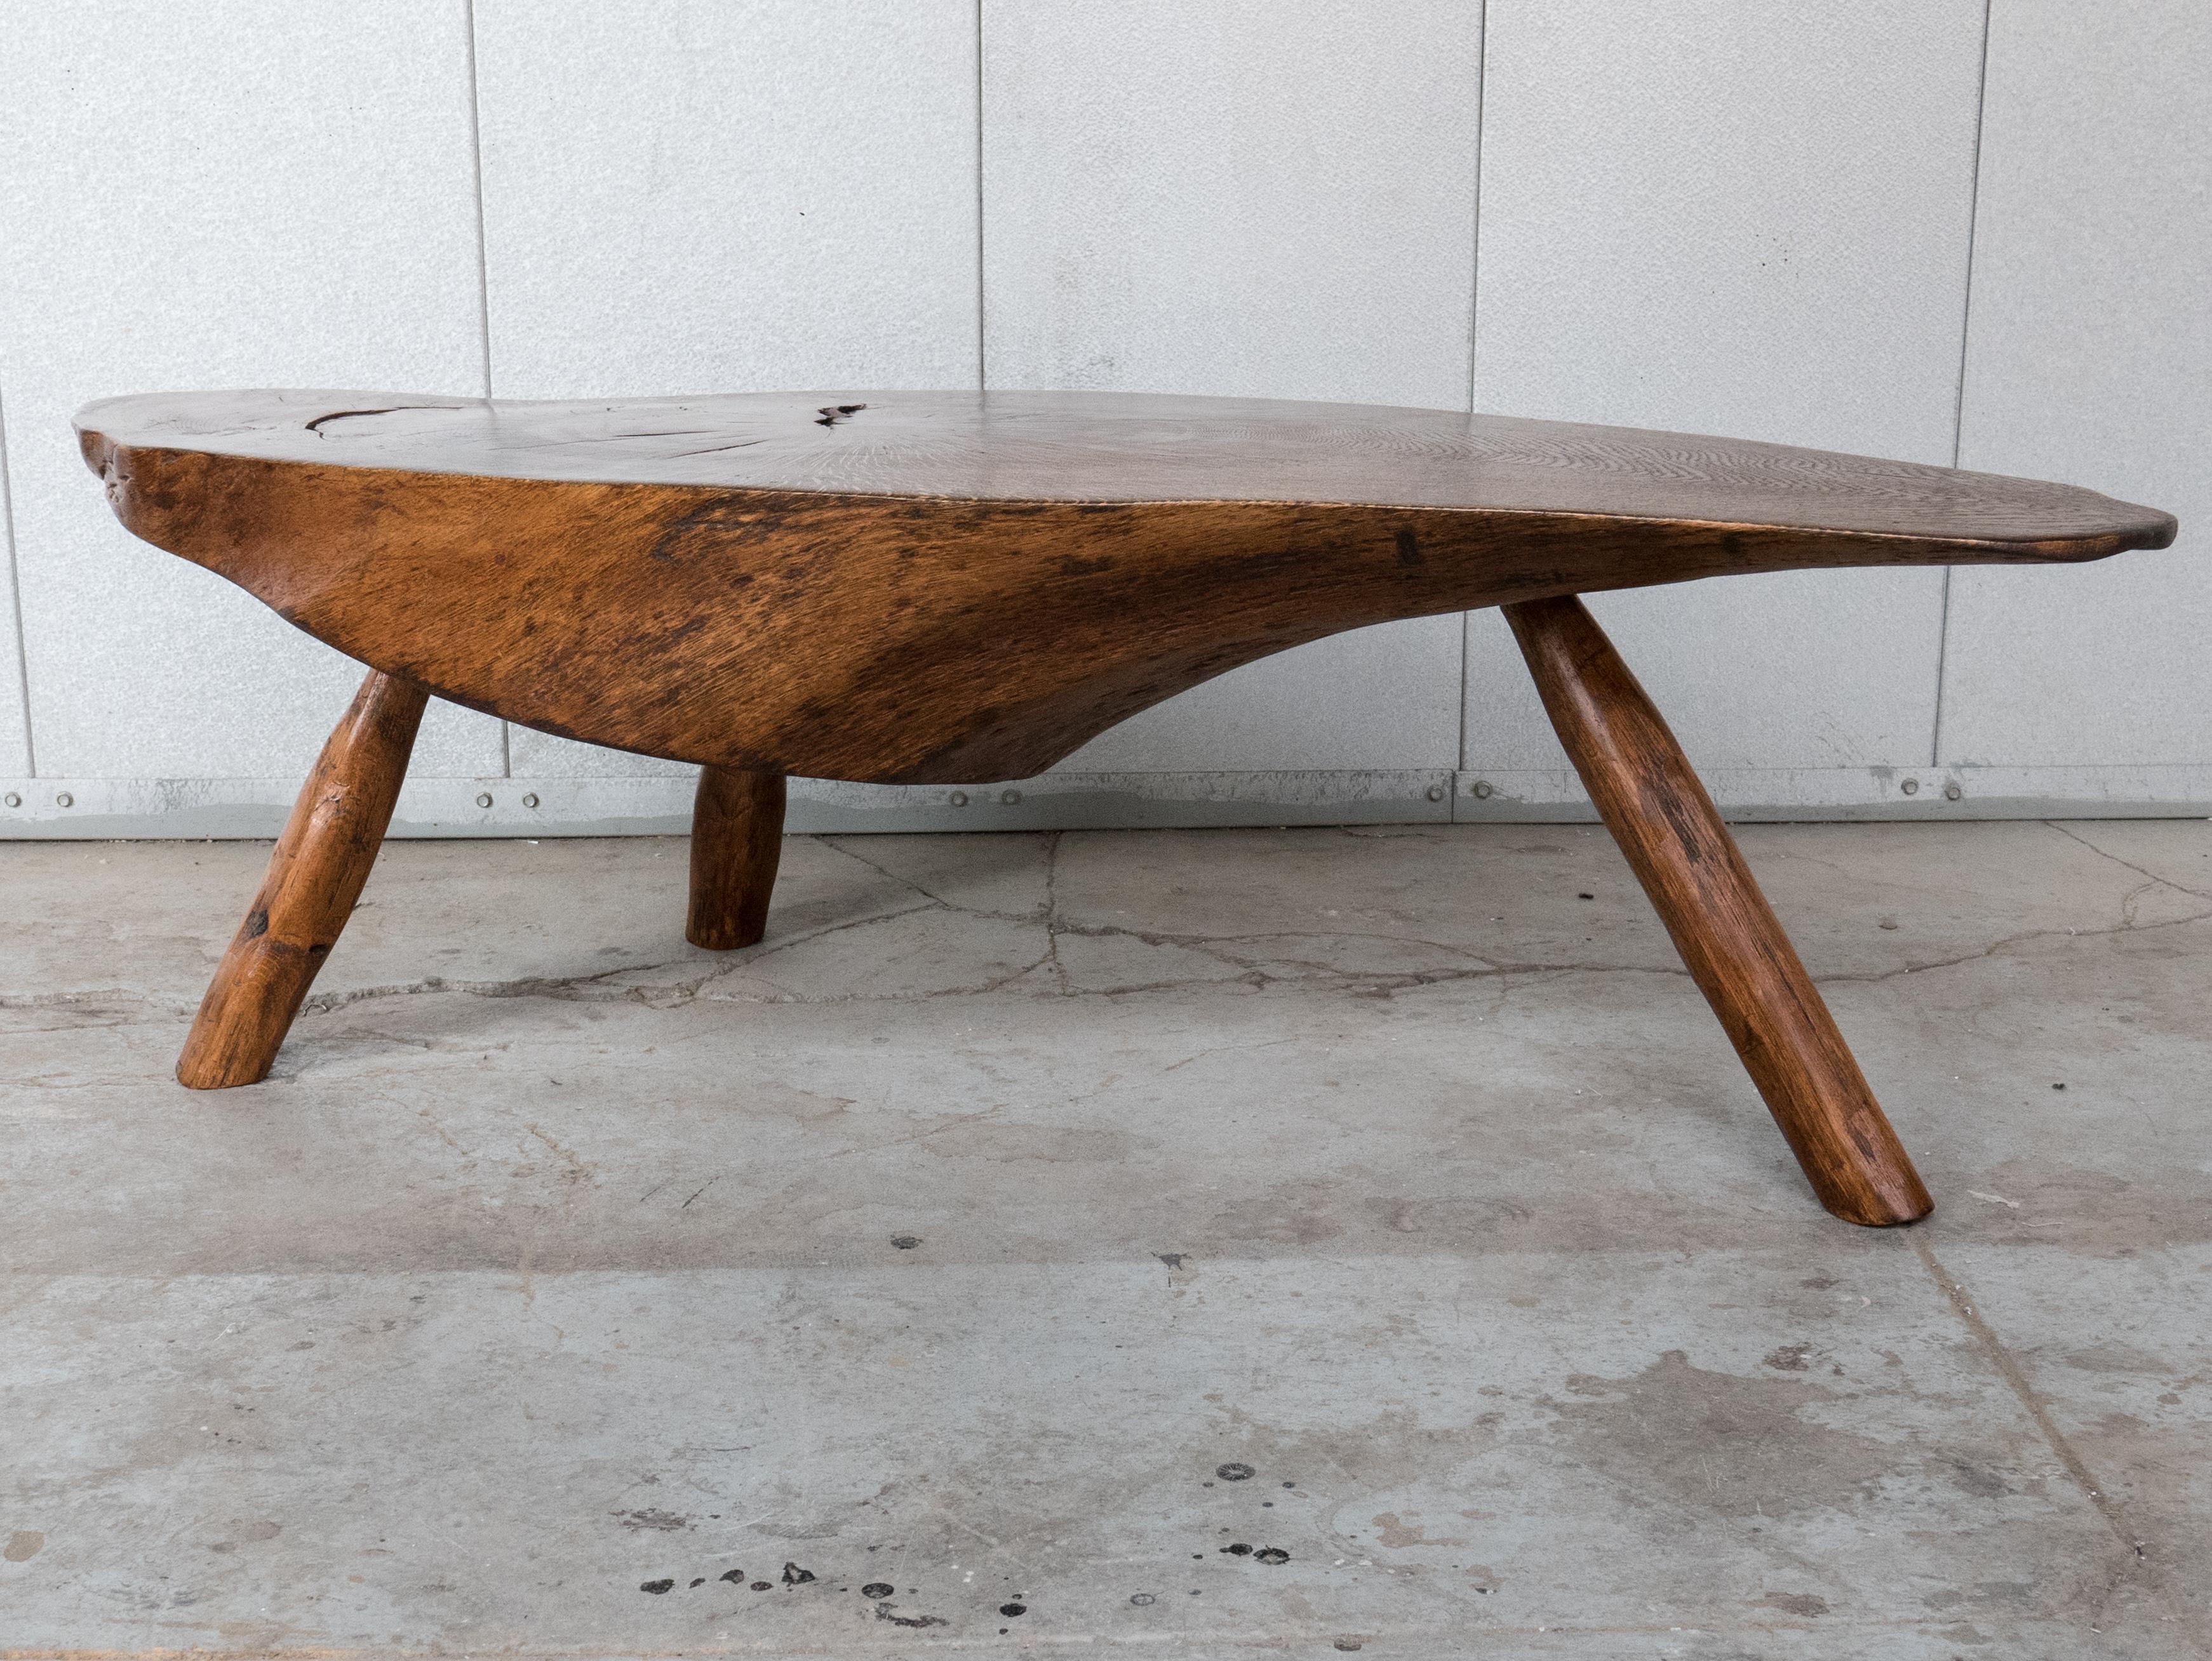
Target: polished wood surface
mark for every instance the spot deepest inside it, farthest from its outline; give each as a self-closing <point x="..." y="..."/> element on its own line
<point x="314" y="877"/>
<point x="1727" y="935"/>
<point x="1119" y="448"/>
<point x="737" y="842"/>
<point x="908" y="587"/>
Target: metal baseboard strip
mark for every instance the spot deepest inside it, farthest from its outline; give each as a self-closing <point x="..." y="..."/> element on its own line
<point x="1785" y="795"/>
<point x="661" y="803"/>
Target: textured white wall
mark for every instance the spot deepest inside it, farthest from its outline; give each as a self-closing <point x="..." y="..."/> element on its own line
<point x="1926" y="228"/>
<point x="2090" y="359"/>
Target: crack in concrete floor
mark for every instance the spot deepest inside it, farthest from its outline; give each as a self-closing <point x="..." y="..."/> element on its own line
<point x="1218" y="947"/>
<point x="1377" y="1288"/>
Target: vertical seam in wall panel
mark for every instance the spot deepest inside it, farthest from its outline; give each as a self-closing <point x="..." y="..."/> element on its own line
<point x="1459" y="758"/>
<point x="1942" y="656"/>
<point x="476" y="181"/>
<point x="483" y="284"/>
<point x="1474" y="269"/>
<point x="982" y="364"/>
<point x="1959" y="403"/>
<point x="15" y="597"/>
<point x="1474" y="295"/>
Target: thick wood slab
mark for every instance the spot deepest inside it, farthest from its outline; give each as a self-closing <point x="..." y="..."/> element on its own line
<point x="912" y="586"/>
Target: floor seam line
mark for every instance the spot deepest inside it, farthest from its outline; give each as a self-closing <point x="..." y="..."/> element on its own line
<point x="2009" y="1370"/>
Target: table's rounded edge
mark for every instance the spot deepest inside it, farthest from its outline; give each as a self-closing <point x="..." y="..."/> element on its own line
<point x="104" y="429"/>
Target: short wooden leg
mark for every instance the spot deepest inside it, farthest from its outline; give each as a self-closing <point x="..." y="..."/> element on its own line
<point x="1727" y="935"/>
<point x="737" y="839"/>
<point x="313" y="879"/>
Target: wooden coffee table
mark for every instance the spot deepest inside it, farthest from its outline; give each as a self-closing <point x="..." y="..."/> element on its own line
<point x="917" y="587"/>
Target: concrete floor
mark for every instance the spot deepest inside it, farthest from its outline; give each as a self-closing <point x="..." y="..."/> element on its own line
<point x="1212" y="1241"/>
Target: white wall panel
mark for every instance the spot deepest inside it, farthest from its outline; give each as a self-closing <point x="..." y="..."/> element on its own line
<point x="212" y="193"/>
<point x="1382" y="698"/>
<point x="707" y="197"/>
<point x="1259" y="199"/>
<point x="2090" y="359"/>
<point x="1748" y="217"/>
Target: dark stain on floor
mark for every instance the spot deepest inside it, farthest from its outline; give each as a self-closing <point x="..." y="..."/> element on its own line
<point x="884" y="1612"/>
<point x="653" y="1518"/>
<point x="1797" y="1602"/>
<point x="1718" y="1442"/>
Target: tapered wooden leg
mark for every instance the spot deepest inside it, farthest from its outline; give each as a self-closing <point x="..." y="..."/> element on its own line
<point x="1727" y="935"/>
<point x="737" y="839"/>
<point x="313" y="879"/>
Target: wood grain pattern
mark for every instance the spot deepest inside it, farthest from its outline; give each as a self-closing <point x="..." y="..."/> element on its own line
<point x="737" y="842"/>
<point x="1727" y="935"/>
<point x="314" y="877"/>
<point x="916" y="587"/>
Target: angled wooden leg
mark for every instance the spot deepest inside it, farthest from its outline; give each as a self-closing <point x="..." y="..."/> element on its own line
<point x="313" y="879"/>
<point x="1727" y="935"/>
<point x="737" y="839"/>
